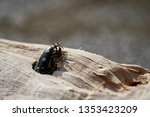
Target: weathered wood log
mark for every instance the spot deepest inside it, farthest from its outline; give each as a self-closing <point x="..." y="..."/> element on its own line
<point x="83" y="76"/>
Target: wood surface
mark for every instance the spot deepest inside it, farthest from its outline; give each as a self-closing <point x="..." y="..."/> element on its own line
<point x="84" y="75"/>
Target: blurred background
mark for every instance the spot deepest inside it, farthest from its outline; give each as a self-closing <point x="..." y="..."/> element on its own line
<point x="116" y="29"/>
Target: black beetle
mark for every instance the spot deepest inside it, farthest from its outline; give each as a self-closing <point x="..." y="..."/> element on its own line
<point x="51" y="59"/>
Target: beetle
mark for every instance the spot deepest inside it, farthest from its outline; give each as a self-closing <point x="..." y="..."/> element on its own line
<point x="51" y="59"/>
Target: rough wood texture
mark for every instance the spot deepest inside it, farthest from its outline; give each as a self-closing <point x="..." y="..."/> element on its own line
<point x="83" y="76"/>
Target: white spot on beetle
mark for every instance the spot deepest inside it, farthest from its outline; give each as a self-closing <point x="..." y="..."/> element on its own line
<point x="43" y="59"/>
<point x="42" y="68"/>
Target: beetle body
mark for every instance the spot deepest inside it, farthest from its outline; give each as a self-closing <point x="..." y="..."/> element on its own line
<point x="50" y="60"/>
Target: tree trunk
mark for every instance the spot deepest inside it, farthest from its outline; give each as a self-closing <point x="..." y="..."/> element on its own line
<point x="83" y="75"/>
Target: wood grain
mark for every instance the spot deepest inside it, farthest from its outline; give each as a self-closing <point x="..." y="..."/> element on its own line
<point x="83" y="75"/>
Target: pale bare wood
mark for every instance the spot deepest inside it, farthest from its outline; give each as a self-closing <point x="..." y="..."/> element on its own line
<point x="84" y="75"/>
